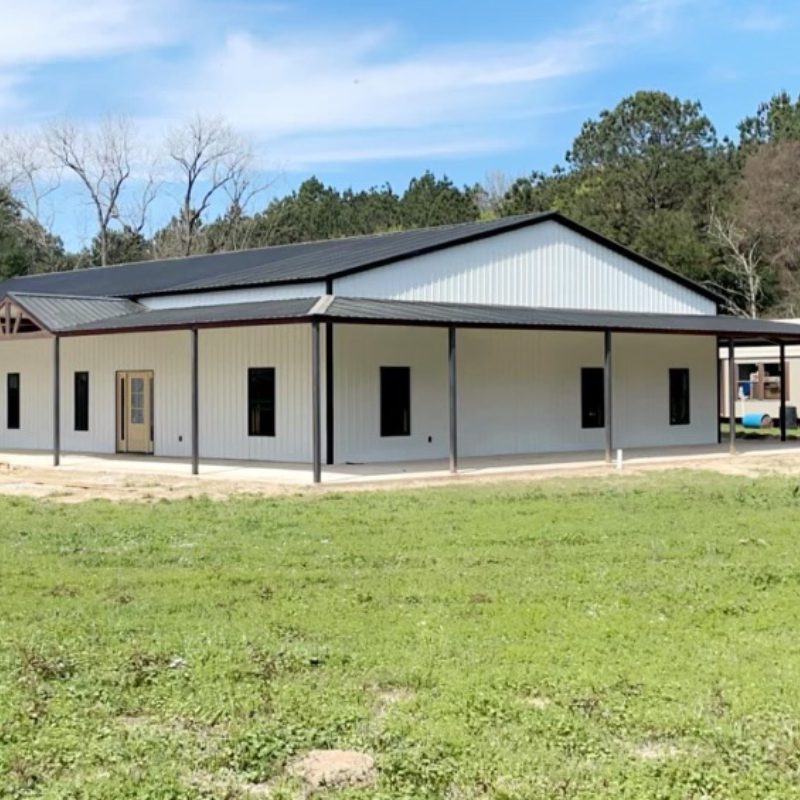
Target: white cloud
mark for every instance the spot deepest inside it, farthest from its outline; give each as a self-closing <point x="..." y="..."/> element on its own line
<point x="759" y="19"/>
<point x="41" y="31"/>
<point x="340" y="83"/>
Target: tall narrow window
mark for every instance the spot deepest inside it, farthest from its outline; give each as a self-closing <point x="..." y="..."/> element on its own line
<point x="592" y="398"/>
<point x="261" y="401"/>
<point x="395" y="401"/>
<point x="679" y="396"/>
<point x="81" y="401"/>
<point x="12" y="400"/>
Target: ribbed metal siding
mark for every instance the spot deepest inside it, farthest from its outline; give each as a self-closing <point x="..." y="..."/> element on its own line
<point x="33" y="360"/>
<point x="359" y="353"/>
<point x="518" y="391"/>
<point x="225" y="356"/>
<point x="641" y="389"/>
<point x="167" y="354"/>
<point x="546" y="265"/>
<point x="234" y="296"/>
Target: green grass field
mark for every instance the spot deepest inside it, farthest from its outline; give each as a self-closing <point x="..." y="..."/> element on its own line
<point x="625" y="637"/>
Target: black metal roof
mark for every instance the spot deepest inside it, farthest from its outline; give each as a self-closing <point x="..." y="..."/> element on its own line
<point x="297" y="309"/>
<point x="59" y="312"/>
<point x="400" y="312"/>
<point x="491" y="316"/>
<point x="296" y="263"/>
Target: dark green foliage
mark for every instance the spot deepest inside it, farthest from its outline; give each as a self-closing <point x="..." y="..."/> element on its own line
<point x="775" y="121"/>
<point x="25" y="247"/>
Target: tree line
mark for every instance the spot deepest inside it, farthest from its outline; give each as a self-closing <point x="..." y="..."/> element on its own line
<point x="651" y="173"/>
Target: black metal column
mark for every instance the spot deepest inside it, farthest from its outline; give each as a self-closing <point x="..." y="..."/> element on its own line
<point x="608" y="408"/>
<point x="783" y="391"/>
<point x="732" y="396"/>
<point x="718" y="363"/>
<point x="195" y="405"/>
<point x="453" y="395"/>
<point x="316" y="404"/>
<point x="56" y="401"/>
<point x="329" y="433"/>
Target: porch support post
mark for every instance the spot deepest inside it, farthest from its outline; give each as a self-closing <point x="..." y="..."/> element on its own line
<point x="607" y="397"/>
<point x="329" y="433"/>
<point x="195" y="404"/>
<point x="453" y="395"/>
<point x="56" y="401"/>
<point x="316" y="426"/>
<point x="783" y="391"/>
<point x="731" y="396"/>
<point x="718" y="362"/>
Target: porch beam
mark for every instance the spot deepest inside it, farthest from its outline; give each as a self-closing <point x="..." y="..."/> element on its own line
<point x="316" y="411"/>
<point x="783" y="390"/>
<point x="608" y="408"/>
<point x="731" y="396"/>
<point x="195" y="402"/>
<point x="453" y="397"/>
<point x="56" y="401"/>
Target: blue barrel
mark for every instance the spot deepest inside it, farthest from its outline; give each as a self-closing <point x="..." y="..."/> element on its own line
<point x="756" y="419"/>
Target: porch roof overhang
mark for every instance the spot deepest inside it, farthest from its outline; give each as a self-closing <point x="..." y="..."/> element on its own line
<point x="84" y="316"/>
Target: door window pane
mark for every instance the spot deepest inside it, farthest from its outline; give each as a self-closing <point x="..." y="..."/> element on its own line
<point x="137" y="401"/>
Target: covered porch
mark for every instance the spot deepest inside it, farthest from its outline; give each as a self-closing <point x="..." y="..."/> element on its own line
<point x="328" y="339"/>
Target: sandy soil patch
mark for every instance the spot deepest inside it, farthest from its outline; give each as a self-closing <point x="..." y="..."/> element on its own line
<point x="66" y="485"/>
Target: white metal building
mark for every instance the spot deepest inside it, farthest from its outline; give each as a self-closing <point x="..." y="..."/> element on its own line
<point x="528" y="334"/>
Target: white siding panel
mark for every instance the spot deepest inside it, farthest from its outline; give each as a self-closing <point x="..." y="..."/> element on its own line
<point x="225" y="356"/>
<point x="519" y="391"/>
<point x="252" y="295"/>
<point x="545" y="265"/>
<point x="359" y="353"/>
<point x="167" y="354"/>
<point x="33" y="360"/>
<point x="641" y="389"/>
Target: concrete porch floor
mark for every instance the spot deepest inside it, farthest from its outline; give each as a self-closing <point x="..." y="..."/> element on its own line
<point x="298" y="474"/>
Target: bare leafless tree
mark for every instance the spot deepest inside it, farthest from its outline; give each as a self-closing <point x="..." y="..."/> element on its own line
<point x="210" y="158"/>
<point x="26" y="169"/>
<point x="742" y="263"/>
<point x="102" y="160"/>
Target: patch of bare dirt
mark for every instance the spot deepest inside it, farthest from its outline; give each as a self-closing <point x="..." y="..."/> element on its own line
<point x="325" y="769"/>
<point x="69" y="485"/>
<point x="656" y="751"/>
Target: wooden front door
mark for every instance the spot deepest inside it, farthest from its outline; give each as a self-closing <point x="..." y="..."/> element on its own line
<point x="135" y="412"/>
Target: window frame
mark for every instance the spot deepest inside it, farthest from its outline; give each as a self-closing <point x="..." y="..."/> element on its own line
<point x="392" y="431"/>
<point x="13" y="420"/>
<point x="253" y="429"/>
<point x="601" y="406"/>
<point x="80" y="403"/>
<point x="684" y="386"/>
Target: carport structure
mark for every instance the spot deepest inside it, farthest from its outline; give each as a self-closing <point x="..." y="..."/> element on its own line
<point x="58" y="318"/>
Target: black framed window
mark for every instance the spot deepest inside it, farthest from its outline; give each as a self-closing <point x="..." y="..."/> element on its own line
<point x="395" y="401"/>
<point x="593" y="404"/>
<point x="679" y="396"/>
<point x="261" y="401"/>
<point x="12" y="400"/>
<point x="81" y="401"/>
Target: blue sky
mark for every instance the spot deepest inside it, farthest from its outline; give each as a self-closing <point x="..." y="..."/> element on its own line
<point x="360" y="93"/>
